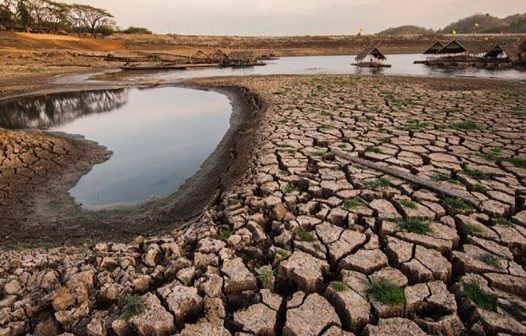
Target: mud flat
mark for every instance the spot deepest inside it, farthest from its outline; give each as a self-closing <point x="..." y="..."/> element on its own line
<point x="307" y="240"/>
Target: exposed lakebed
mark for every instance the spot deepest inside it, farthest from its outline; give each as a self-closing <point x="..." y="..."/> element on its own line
<point x="159" y="137"/>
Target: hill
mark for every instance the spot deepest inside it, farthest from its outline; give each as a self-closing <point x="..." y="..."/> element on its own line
<point x="406" y="30"/>
<point x="486" y="23"/>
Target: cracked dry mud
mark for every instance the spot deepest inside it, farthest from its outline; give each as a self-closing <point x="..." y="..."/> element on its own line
<point x="300" y="243"/>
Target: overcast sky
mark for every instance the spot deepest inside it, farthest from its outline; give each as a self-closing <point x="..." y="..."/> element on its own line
<point x="295" y="17"/>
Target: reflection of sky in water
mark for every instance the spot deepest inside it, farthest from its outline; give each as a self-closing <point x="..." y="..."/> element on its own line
<point x="159" y="139"/>
<point x="315" y="65"/>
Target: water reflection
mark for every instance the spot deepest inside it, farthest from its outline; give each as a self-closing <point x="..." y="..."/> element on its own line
<point x="159" y="137"/>
<point x="57" y="109"/>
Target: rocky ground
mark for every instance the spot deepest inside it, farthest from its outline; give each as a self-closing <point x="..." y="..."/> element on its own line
<point x="372" y="206"/>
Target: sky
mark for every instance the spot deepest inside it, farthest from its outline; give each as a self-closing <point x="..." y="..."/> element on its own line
<point x="295" y="17"/>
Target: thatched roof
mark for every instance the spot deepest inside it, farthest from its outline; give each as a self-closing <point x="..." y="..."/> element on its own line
<point x="218" y="55"/>
<point x="522" y="46"/>
<point x="434" y="48"/>
<point x="200" y="55"/>
<point x="371" y="51"/>
<point x="469" y="47"/>
<point x="241" y="56"/>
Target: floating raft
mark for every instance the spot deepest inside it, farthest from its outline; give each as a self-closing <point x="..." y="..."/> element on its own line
<point x="167" y="67"/>
<point x="371" y="65"/>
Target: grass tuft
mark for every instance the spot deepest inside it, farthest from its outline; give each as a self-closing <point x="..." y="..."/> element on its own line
<point x="494" y="154"/>
<point x="456" y="204"/>
<point x="378" y="184"/>
<point x="443" y="177"/>
<point x="518" y="162"/>
<point x="409" y="204"/>
<point x="134" y="306"/>
<point x="353" y="203"/>
<point x="225" y="234"/>
<point x="503" y="222"/>
<point x="306" y="236"/>
<point x="415" y="225"/>
<point x="473" y="229"/>
<point x="475" y="173"/>
<point x="490" y="259"/>
<point x="467" y="125"/>
<point x="481" y="298"/>
<point x="386" y="292"/>
<point x="282" y="253"/>
<point x="266" y="275"/>
<point x="338" y="286"/>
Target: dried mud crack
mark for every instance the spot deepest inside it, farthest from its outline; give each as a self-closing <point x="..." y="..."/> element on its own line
<point x="308" y="242"/>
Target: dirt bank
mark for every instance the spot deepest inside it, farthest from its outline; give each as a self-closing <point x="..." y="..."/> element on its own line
<point x="49" y="215"/>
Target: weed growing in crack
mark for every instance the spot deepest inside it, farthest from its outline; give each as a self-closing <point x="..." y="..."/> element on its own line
<point x="467" y="125"/>
<point x="518" y="162"/>
<point x="225" y="234"/>
<point x="338" y="286"/>
<point x="408" y="204"/>
<point x="443" y="177"/>
<point x="456" y="205"/>
<point x="265" y="274"/>
<point x="479" y="188"/>
<point x="134" y="306"/>
<point x="494" y="154"/>
<point x="353" y="203"/>
<point x="414" y="126"/>
<point x="378" y="184"/>
<point x="419" y="226"/>
<point x="289" y="189"/>
<point x="306" y="236"/>
<point x="475" y="173"/>
<point x="490" y="259"/>
<point x="373" y="149"/>
<point x="474" y="229"/>
<point x="282" y="253"/>
<point x="481" y="298"/>
<point x="386" y="292"/>
<point x="503" y="222"/>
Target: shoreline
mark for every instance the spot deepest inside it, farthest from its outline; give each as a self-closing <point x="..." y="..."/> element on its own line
<point x="150" y="217"/>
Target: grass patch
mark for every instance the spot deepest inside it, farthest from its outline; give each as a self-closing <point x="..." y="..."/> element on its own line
<point x="467" y="125"/>
<point x="225" y="234"/>
<point x="289" y="189"/>
<point x="479" y="296"/>
<point x="494" y="154"/>
<point x="456" y="204"/>
<point x="415" y="225"/>
<point x="381" y="183"/>
<point x="386" y="292"/>
<point x="479" y="188"/>
<point x="134" y="306"/>
<point x="282" y="253"/>
<point x="503" y="222"/>
<point x="443" y="177"/>
<point x="343" y="145"/>
<point x="284" y="173"/>
<point x="414" y="125"/>
<point x="478" y="174"/>
<point x="490" y="259"/>
<point x="338" y="286"/>
<point x="306" y="236"/>
<point x="409" y="204"/>
<point x="473" y="229"/>
<point x="266" y="275"/>
<point x="518" y="162"/>
<point x="352" y="203"/>
<point x="373" y="149"/>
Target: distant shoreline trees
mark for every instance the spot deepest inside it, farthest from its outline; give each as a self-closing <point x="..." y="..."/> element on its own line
<point x="55" y="17"/>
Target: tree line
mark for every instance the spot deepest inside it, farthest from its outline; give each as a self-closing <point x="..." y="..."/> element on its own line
<point x="56" y="17"/>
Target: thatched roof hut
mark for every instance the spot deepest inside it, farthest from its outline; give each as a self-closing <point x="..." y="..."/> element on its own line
<point x="218" y="56"/>
<point x="200" y="56"/>
<point x="467" y="48"/>
<point x="371" y="54"/>
<point x="241" y="56"/>
<point x="434" y="48"/>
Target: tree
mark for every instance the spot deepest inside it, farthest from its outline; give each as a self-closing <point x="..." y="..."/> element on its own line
<point x="7" y="16"/>
<point x="136" y="30"/>
<point x="90" y="18"/>
<point x="23" y="15"/>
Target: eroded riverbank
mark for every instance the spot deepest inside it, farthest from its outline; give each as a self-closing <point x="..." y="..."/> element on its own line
<point x="305" y="241"/>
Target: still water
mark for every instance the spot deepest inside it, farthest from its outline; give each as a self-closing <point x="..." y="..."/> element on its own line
<point x="159" y="137"/>
<point x="402" y="65"/>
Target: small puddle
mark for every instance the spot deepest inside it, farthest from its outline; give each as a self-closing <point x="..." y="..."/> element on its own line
<point x="159" y="137"/>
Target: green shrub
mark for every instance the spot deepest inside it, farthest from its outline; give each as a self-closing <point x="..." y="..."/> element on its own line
<point x="386" y="292"/>
<point x="481" y="298"/>
<point x="225" y="234"/>
<point x="134" y="306"/>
